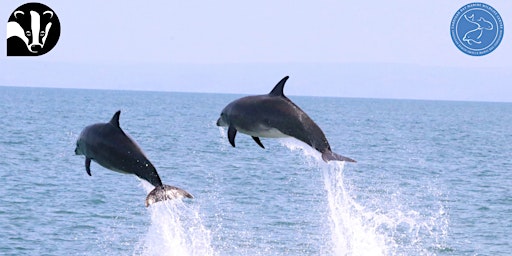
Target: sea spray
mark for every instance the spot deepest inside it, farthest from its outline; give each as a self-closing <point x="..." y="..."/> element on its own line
<point x="375" y="224"/>
<point x="351" y="231"/>
<point x="176" y="230"/>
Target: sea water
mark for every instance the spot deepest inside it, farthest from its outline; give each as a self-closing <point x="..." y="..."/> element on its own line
<point x="432" y="178"/>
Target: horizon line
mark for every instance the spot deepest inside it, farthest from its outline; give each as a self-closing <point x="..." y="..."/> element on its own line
<point x="242" y="94"/>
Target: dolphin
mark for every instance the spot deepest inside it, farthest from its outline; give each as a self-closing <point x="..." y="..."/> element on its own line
<point x="110" y="147"/>
<point x="273" y="115"/>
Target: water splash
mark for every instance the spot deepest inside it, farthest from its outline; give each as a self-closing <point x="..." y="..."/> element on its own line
<point x="176" y="229"/>
<point x="378" y="225"/>
<point x="351" y="231"/>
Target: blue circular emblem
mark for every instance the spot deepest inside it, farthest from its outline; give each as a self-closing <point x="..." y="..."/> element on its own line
<point x="477" y="29"/>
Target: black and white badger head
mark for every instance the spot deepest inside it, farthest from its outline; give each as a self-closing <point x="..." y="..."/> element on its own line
<point x="34" y="27"/>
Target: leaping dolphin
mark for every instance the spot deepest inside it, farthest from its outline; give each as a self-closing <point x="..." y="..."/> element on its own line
<point x="110" y="147"/>
<point x="273" y="115"/>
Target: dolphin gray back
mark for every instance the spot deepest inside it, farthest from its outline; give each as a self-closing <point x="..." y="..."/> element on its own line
<point x="108" y="145"/>
<point x="279" y="88"/>
<point x="294" y="121"/>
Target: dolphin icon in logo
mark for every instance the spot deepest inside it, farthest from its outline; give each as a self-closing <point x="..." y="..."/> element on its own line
<point x="473" y="36"/>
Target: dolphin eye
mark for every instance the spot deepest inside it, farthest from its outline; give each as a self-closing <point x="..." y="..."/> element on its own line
<point x="28" y="33"/>
<point x="42" y="33"/>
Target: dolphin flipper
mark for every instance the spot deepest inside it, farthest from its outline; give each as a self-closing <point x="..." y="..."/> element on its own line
<point x="331" y="156"/>
<point x="88" y="165"/>
<point x="231" y="135"/>
<point x="165" y="192"/>
<point x="258" y="141"/>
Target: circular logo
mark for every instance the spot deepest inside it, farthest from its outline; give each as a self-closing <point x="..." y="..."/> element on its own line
<point x="477" y="29"/>
<point x="33" y="29"/>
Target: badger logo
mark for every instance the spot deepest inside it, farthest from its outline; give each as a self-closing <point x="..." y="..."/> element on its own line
<point x="33" y="29"/>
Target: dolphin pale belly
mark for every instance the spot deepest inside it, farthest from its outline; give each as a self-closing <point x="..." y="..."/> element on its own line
<point x="110" y="147"/>
<point x="273" y="115"/>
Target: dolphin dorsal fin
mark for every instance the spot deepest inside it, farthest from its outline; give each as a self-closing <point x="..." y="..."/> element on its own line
<point x="278" y="89"/>
<point x="115" y="119"/>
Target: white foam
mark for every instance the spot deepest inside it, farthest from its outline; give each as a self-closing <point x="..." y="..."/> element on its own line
<point x="297" y="145"/>
<point x="351" y="234"/>
<point x="176" y="229"/>
<point x="380" y="228"/>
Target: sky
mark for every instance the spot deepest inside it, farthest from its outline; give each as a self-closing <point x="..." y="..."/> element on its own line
<point x="368" y="49"/>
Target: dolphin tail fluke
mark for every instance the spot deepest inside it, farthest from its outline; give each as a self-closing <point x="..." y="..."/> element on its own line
<point x="331" y="156"/>
<point x="165" y="192"/>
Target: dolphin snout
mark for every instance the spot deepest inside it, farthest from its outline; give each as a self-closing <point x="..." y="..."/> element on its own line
<point x="220" y="122"/>
<point x="78" y="150"/>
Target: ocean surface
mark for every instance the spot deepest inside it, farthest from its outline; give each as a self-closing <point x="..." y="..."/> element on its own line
<point x="432" y="178"/>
